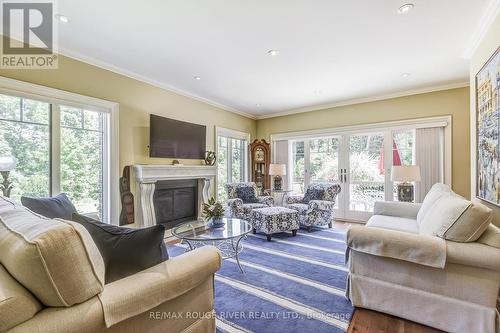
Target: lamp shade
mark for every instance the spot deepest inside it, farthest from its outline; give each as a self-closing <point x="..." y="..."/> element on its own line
<point x="277" y="169"/>
<point x="405" y="173"/>
<point x="7" y="163"/>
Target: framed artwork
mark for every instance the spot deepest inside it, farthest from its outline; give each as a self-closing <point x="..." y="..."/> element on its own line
<point x="488" y="130"/>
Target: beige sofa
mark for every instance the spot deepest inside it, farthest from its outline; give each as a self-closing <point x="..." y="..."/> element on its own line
<point x="397" y="266"/>
<point x="51" y="280"/>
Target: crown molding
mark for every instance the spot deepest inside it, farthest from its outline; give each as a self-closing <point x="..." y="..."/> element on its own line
<point x="135" y="76"/>
<point x="491" y="12"/>
<point x="460" y="84"/>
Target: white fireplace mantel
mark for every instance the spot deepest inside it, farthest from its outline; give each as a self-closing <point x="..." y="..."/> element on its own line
<point x="146" y="177"/>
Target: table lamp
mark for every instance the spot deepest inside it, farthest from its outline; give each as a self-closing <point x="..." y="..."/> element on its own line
<point x="405" y="175"/>
<point x="7" y="163"/>
<point x="277" y="170"/>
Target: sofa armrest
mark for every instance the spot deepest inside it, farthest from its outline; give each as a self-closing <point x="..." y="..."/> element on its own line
<point x="396" y="208"/>
<point x="292" y="199"/>
<point x="419" y="249"/>
<point x="321" y="205"/>
<point x="473" y="254"/>
<point x="135" y="294"/>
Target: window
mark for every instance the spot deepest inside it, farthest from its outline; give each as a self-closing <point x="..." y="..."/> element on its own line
<point x="59" y="148"/>
<point x="25" y="134"/>
<point x="232" y="148"/>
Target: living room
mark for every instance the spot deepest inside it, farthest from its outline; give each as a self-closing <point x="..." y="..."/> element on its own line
<point x="248" y="167"/>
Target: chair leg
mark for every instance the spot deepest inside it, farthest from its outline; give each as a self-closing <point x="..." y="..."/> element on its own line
<point x="330" y="225"/>
<point x="309" y="228"/>
<point x="294" y="233"/>
<point x="268" y="238"/>
<point x="254" y="231"/>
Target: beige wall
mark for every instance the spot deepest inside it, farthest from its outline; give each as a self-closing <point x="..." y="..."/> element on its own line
<point x="137" y="100"/>
<point x="453" y="102"/>
<point x="486" y="48"/>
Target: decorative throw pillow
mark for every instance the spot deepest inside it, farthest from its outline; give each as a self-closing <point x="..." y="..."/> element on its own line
<point x="471" y="224"/>
<point x="56" y="207"/>
<point x="313" y="193"/>
<point x="126" y="251"/>
<point x="247" y="194"/>
<point x="437" y="191"/>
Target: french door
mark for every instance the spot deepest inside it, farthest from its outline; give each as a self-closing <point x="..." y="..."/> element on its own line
<point x="359" y="162"/>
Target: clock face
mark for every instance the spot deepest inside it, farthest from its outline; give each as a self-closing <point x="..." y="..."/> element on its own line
<point x="259" y="155"/>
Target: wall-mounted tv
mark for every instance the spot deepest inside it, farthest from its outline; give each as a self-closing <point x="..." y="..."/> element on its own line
<point x="176" y="139"/>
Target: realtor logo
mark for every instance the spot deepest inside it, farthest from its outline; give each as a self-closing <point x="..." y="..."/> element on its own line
<point x="28" y="32"/>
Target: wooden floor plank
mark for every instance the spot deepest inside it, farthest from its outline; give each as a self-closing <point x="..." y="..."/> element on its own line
<point x="367" y="321"/>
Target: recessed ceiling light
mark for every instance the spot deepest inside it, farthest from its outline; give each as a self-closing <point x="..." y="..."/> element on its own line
<point x="197" y="78"/>
<point x="405" y="75"/>
<point x="405" y="8"/>
<point x="258" y="105"/>
<point x="273" y="53"/>
<point x="62" y="18"/>
<point x="318" y="92"/>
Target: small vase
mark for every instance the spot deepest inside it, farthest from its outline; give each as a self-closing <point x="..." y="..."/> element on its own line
<point x="215" y="222"/>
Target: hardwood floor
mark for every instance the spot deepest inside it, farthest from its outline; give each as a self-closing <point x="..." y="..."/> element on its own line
<point x="367" y="321"/>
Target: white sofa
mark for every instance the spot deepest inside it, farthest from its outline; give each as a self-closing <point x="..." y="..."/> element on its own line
<point x="404" y="263"/>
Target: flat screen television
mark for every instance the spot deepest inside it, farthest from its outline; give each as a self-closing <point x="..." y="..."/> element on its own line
<point x="176" y="139"/>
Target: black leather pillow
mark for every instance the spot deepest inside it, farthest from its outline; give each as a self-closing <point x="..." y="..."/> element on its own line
<point x="125" y="251"/>
<point x="56" y="207"/>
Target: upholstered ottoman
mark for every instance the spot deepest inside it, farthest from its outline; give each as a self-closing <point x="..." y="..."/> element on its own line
<point x="271" y="220"/>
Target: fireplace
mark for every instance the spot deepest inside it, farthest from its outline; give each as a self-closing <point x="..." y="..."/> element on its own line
<point x="175" y="201"/>
<point x="171" y="194"/>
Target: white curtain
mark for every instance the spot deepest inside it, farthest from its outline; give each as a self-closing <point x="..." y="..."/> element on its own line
<point x="429" y="155"/>
<point x="280" y="155"/>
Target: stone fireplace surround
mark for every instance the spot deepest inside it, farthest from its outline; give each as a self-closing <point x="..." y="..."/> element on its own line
<point x="146" y="177"/>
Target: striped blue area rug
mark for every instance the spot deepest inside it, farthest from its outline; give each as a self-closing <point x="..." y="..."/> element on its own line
<point x="291" y="284"/>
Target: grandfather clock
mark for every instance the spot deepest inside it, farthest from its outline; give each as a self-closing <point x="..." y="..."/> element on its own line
<point x="261" y="158"/>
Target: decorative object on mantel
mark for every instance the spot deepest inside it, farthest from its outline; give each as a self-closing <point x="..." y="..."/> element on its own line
<point x="260" y="159"/>
<point x="405" y="174"/>
<point x="213" y="212"/>
<point x="127" y="198"/>
<point x="277" y="170"/>
<point x="7" y="164"/>
<point x="176" y="162"/>
<point x="488" y="130"/>
<point x="210" y="158"/>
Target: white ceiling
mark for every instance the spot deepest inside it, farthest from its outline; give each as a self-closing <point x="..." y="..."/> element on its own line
<point x="330" y="51"/>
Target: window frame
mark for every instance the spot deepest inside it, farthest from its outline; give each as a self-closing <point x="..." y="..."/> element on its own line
<point x="56" y="97"/>
<point x="232" y="134"/>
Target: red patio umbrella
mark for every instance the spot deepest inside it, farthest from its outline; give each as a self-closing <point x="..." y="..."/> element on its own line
<point x="396" y="159"/>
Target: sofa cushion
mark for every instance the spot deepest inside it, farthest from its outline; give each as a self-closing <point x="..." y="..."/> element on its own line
<point x="126" y="251"/>
<point x="437" y="191"/>
<point x="56" y="207"/>
<point x="469" y="226"/>
<point x="16" y="303"/>
<point x="491" y="236"/>
<point x="56" y="260"/>
<point x="393" y="223"/>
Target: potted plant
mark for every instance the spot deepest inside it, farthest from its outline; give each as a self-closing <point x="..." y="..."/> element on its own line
<point x="213" y="212"/>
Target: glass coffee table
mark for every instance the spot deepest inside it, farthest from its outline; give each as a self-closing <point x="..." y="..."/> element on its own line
<point x="226" y="238"/>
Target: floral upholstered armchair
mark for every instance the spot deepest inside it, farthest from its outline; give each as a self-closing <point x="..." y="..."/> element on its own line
<point x="242" y="198"/>
<point x="316" y="206"/>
